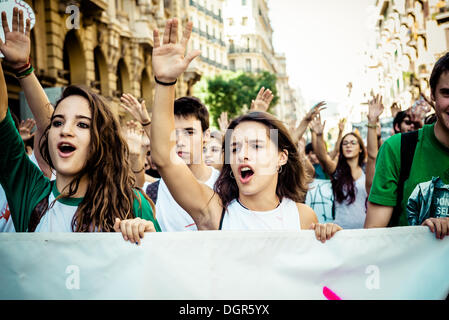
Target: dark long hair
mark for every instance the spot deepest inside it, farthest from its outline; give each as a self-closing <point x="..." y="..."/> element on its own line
<point x="292" y="180"/>
<point x="111" y="184"/>
<point x="342" y="181"/>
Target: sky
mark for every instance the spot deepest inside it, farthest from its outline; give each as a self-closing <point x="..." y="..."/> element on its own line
<point x="323" y="41"/>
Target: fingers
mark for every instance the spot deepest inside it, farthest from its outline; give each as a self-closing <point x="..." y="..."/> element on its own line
<point x="260" y="93"/>
<point x="325" y="231"/>
<point x="186" y="34"/>
<point x="15" y="21"/>
<point x="191" y="55"/>
<point x="117" y="225"/>
<point x="174" y="31"/>
<point x="166" y="38"/>
<point x="21" y="22"/>
<point x="5" y="23"/>
<point x="28" y="28"/>
<point x="156" y="40"/>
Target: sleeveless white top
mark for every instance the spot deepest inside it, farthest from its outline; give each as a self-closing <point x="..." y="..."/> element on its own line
<point x="284" y="217"/>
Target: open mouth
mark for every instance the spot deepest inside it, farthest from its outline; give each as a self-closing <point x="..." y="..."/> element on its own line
<point x="246" y="173"/>
<point x="66" y="149"/>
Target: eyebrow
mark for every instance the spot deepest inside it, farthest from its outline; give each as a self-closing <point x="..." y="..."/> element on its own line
<point x="77" y="117"/>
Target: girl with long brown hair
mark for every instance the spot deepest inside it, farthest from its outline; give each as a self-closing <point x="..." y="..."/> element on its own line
<point x="347" y="176"/>
<point x="94" y="188"/>
<point x="261" y="185"/>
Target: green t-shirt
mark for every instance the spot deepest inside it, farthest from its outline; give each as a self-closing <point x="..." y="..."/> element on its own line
<point x="25" y="185"/>
<point x="431" y="159"/>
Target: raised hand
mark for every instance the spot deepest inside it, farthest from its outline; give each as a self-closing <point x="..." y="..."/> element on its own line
<point x="341" y="124"/>
<point x="316" y="125"/>
<point x="17" y="45"/>
<point x="395" y="109"/>
<point x="316" y="109"/>
<point x="223" y="122"/>
<point x="263" y="100"/>
<point x="134" y="137"/>
<point x="25" y="128"/>
<point x="136" y="109"/>
<point x="169" y="61"/>
<point x="375" y="109"/>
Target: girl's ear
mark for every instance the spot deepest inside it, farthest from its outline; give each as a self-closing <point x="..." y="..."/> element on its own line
<point x="283" y="157"/>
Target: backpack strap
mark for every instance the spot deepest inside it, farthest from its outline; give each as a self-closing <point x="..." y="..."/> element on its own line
<point x="152" y="190"/>
<point x="409" y="141"/>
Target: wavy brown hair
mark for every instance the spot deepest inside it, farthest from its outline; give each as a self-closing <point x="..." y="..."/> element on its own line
<point x="292" y="180"/>
<point x="111" y="184"/>
<point x="342" y="181"/>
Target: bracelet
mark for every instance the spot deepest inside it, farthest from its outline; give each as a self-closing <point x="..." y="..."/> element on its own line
<point x="168" y="84"/>
<point x="139" y="170"/>
<point x="24" y="73"/>
<point x="24" y="67"/>
<point x="145" y="124"/>
<point x="373" y="126"/>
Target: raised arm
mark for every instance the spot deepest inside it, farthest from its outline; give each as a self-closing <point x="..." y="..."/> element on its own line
<point x="168" y="64"/>
<point x="263" y="100"/>
<point x="375" y="109"/>
<point x="16" y="50"/>
<point x="3" y="95"/>
<point x="328" y="164"/>
<point x="305" y="122"/>
<point x="341" y="127"/>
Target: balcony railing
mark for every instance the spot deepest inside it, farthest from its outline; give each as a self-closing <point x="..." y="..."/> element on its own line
<point x="233" y="50"/>
<point x="208" y="36"/>
<point x="213" y="63"/>
<point x="206" y="11"/>
<point x="442" y="15"/>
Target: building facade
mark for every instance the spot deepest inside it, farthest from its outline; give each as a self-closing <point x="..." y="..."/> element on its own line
<point x="410" y="36"/>
<point x="249" y="38"/>
<point x="105" y="45"/>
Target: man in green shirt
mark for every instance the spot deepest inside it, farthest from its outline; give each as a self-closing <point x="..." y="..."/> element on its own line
<point x="430" y="162"/>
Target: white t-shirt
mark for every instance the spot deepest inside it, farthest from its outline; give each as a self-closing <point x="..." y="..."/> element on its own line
<point x="59" y="217"/>
<point x="284" y="217"/>
<point x="6" y="224"/>
<point x="170" y="215"/>
<point x="353" y="216"/>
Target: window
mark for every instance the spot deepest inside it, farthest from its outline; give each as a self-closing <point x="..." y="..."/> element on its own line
<point x="244" y="21"/>
<point x="231" y="21"/>
<point x="232" y="64"/>
<point x="243" y="2"/>
<point x="248" y="65"/>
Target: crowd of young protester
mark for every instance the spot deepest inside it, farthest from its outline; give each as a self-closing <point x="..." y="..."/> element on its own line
<point x="82" y="171"/>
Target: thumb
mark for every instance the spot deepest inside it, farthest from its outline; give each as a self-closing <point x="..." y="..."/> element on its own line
<point x="192" y="55"/>
<point x="312" y="226"/>
<point x="117" y="225"/>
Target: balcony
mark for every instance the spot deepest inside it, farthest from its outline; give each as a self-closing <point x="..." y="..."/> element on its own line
<point x="442" y="15"/>
<point x="206" y="11"/>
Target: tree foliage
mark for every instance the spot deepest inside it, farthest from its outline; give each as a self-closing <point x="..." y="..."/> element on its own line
<point x="233" y="92"/>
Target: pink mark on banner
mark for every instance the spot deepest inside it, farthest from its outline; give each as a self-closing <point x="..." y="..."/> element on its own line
<point x="329" y="294"/>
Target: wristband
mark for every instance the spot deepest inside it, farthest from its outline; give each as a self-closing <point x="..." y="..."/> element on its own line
<point x="146" y="123"/>
<point x="373" y="126"/>
<point x="24" y="67"/>
<point x="139" y="170"/>
<point x="168" y="84"/>
<point x="24" y="73"/>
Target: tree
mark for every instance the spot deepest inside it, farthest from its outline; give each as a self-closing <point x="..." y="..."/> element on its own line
<point x="232" y="92"/>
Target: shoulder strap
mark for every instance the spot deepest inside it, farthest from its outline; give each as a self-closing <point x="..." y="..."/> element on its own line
<point x="223" y="211"/>
<point x="408" y="146"/>
<point x="152" y="190"/>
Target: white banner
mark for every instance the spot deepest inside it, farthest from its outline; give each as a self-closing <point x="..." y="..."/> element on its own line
<point x="398" y="263"/>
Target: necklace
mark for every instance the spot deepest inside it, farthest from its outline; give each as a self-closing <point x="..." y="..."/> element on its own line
<point x="238" y="200"/>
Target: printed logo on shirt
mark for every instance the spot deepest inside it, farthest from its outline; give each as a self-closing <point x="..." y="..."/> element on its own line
<point x="5" y="214"/>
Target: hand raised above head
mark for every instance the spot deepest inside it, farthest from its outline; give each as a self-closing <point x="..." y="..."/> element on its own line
<point x="17" y="45"/>
<point x="169" y="61"/>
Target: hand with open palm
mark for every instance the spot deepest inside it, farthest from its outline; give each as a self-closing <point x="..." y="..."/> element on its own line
<point x="169" y="61"/>
<point x="263" y="100"/>
<point x="17" y="45"/>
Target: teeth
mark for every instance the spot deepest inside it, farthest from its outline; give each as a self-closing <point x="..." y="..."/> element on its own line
<point x="246" y="169"/>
